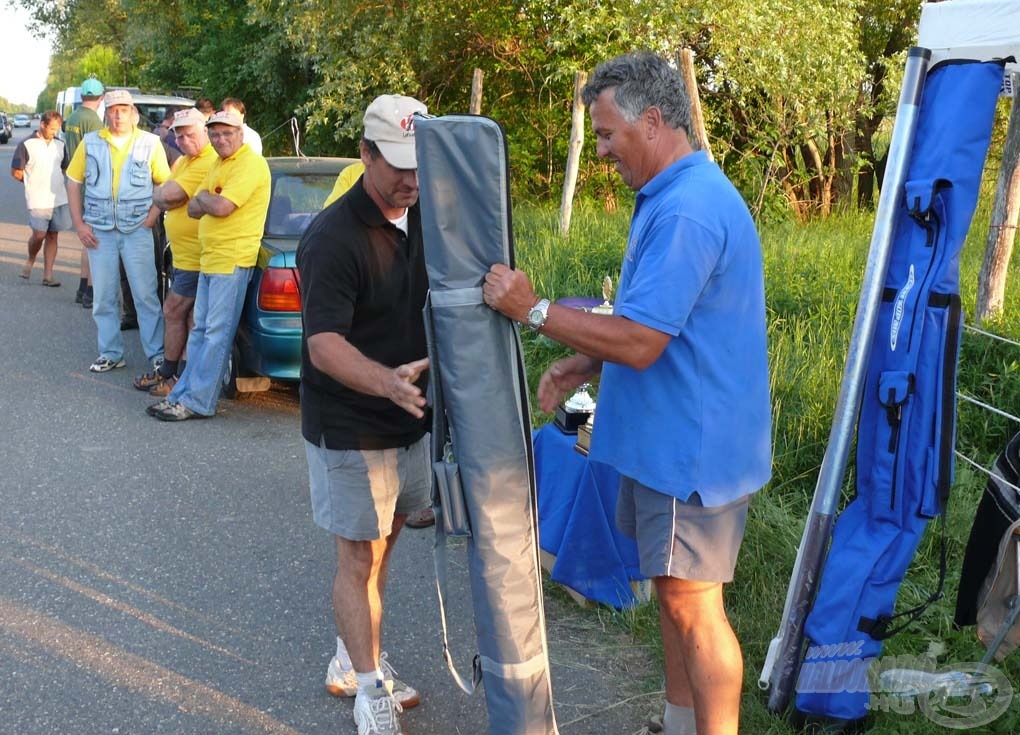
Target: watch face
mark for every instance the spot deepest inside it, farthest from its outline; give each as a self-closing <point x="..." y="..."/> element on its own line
<point x="537" y="315"/>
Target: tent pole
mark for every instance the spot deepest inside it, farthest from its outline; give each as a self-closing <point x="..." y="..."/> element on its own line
<point x="783" y="658"/>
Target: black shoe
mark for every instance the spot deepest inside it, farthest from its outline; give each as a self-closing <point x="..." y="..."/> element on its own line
<point x="128" y="324"/>
<point x="79" y="296"/>
<point x="86" y="300"/>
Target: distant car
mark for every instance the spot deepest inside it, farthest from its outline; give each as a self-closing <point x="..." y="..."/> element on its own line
<point x="22" y="121"/>
<point x="6" y="131"/>
<point x="268" y="342"/>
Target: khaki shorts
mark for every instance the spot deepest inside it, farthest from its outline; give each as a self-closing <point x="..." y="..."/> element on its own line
<point x="356" y="492"/>
<point x="681" y="539"/>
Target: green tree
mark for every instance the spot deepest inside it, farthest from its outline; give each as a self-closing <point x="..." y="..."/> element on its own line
<point x="887" y="29"/>
<point x="794" y="94"/>
<point x="528" y="50"/>
<point x="222" y="50"/>
<point x="781" y="96"/>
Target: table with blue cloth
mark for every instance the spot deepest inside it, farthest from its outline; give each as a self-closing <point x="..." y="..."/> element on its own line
<point x="577" y="522"/>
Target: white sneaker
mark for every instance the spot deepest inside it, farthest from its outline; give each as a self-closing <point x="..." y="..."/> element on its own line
<point x="377" y="715"/>
<point x="105" y="364"/>
<point x="341" y="682"/>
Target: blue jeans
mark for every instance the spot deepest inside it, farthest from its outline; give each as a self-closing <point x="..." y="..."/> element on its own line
<point x="218" y="306"/>
<point x="135" y="250"/>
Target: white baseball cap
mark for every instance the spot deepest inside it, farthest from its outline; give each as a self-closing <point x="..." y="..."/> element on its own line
<point x="187" y="116"/>
<point x="225" y="118"/>
<point x="389" y="123"/>
<point x="117" y="97"/>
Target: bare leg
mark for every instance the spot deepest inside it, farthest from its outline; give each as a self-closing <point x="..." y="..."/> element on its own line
<point x="49" y="254"/>
<point x="362" y="567"/>
<point x="86" y="273"/>
<point x="177" y="312"/>
<point x="704" y="667"/>
<point x="35" y="243"/>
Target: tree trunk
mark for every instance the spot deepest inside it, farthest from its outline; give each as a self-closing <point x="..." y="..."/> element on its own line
<point x="699" y="136"/>
<point x="573" y="153"/>
<point x="793" y="190"/>
<point x="865" y="146"/>
<point x="475" y="106"/>
<point x="818" y="187"/>
<point x="999" y="245"/>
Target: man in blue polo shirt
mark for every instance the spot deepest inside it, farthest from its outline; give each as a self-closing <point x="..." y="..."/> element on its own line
<point x="683" y="410"/>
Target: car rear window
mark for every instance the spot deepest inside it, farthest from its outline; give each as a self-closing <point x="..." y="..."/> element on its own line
<point x="296" y="199"/>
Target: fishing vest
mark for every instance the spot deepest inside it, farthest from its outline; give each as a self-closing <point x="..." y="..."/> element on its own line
<point x="134" y="191"/>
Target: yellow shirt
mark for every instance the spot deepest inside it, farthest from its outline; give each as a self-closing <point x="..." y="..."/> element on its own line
<point x="118" y="155"/>
<point x="344" y="182"/>
<point x="181" y="230"/>
<point x="235" y="240"/>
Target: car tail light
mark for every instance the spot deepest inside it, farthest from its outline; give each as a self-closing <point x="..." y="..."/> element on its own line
<point x="279" y="290"/>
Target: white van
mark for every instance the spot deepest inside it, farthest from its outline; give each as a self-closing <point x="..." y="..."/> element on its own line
<point x="151" y="107"/>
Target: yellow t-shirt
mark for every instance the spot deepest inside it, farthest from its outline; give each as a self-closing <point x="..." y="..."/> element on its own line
<point x="235" y="240"/>
<point x="118" y="155"/>
<point x="181" y="230"/>
<point x="344" y="182"/>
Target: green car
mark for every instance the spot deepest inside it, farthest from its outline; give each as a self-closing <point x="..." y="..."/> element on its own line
<point x="268" y="342"/>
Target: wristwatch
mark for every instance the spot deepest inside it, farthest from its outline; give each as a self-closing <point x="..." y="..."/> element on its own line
<point x="538" y="314"/>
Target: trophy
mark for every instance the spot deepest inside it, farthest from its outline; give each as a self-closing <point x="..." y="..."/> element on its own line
<point x="575" y="411"/>
<point x="606" y="307"/>
<point x="584" y="435"/>
<point x="579" y="409"/>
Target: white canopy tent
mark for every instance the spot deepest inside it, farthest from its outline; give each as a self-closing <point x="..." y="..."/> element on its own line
<point x="979" y="30"/>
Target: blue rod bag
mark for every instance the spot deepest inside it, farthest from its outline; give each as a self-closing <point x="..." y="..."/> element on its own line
<point x="906" y="428"/>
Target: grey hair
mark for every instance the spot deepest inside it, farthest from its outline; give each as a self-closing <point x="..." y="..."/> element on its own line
<point x="642" y="79"/>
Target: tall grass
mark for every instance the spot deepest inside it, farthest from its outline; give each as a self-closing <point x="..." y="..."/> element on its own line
<point x="813" y="278"/>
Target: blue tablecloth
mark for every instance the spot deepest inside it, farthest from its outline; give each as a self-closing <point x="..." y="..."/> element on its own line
<point x="576" y="519"/>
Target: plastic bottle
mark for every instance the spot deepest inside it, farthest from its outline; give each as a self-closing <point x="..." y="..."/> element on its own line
<point x="912" y="682"/>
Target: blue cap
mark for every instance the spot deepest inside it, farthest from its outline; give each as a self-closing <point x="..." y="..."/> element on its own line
<point x="92" y="87"/>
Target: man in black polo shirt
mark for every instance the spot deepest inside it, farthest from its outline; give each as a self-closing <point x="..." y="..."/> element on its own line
<point x="364" y="363"/>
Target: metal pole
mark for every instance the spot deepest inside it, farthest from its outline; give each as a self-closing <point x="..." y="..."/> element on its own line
<point x="783" y="658"/>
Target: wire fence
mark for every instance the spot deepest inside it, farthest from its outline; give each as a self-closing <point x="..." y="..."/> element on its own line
<point x="961" y="396"/>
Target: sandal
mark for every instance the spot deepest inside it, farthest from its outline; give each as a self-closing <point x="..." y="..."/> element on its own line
<point x="163" y="389"/>
<point x="25" y="272"/>
<point x="421" y="518"/>
<point x="147" y="381"/>
<point x="51" y="282"/>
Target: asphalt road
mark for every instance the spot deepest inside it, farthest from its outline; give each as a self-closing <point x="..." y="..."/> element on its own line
<point x="167" y="578"/>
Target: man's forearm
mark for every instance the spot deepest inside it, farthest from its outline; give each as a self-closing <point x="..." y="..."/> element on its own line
<point x="605" y="338"/>
<point x="152" y="216"/>
<point x="214" y="204"/>
<point x="74" y="202"/>
<point x="334" y="355"/>
<point x="169" y="196"/>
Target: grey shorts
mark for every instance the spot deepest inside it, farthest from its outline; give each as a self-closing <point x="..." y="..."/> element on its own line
<point x="184" y="283"/>
<point x="356" y="492"/>
<point x="50" y="220"/>
<point x="681" y="539"/>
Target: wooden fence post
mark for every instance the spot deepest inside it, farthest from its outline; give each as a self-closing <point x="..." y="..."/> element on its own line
<point x="573" y="153"/>
<point x="699" y="138"/>
<point x="476" y="93"/>
<point x="999" y="245"/>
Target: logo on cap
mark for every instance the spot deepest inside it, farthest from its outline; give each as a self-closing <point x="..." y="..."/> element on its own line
<point x="407" y="125"/>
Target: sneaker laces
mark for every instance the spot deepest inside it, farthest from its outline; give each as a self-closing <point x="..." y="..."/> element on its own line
<point x="384" y="712"/>
<point x="386" y="667"/>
